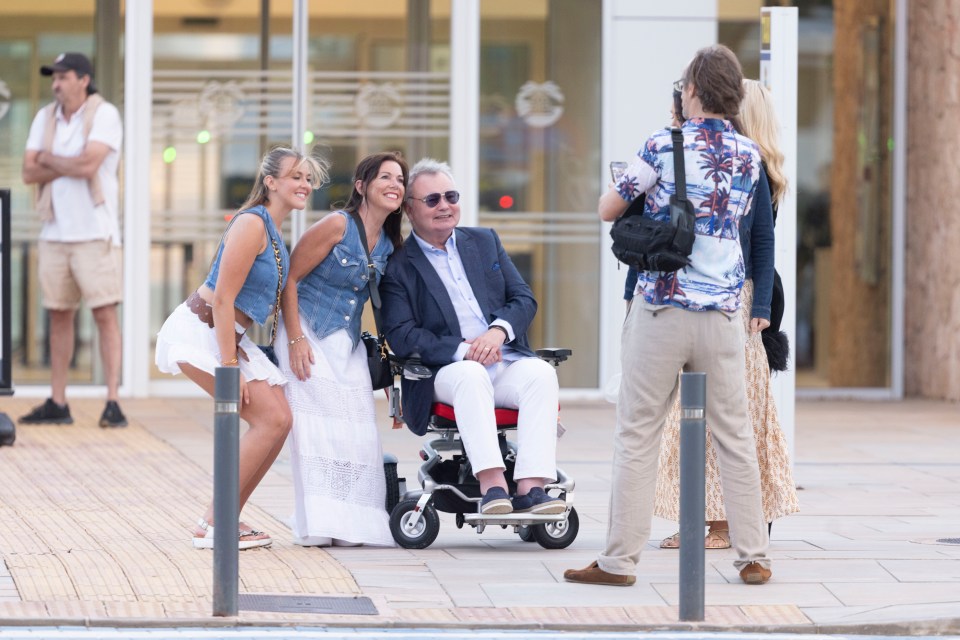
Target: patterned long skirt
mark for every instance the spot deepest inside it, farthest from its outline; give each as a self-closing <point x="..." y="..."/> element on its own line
<point x="776" y="479"/>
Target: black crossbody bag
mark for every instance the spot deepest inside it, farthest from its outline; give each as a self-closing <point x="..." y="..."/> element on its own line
<point x="653" y="245"/>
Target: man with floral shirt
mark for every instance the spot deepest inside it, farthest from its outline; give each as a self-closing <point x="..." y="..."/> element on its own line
<point x="687" y="320"/>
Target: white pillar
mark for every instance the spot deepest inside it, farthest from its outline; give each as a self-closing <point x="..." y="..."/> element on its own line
<point x="137" y="112"/>
<point x="465" y="106"/>
<point x="778" y="72"/>
<point x="301" y="21"/>
<point x="646" y="46"/>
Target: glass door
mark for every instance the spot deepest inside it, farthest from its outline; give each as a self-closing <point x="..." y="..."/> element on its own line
<point x="844" y="195"/>
<point x="29" y="39"/>
<point x="539" y="152"/>
<point x="377" y="79"/>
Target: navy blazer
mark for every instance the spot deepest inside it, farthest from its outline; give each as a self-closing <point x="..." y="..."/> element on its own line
<point x="418" y="315"/>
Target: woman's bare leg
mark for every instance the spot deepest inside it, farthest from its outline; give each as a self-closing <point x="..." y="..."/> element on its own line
<point x="268" y="415"/>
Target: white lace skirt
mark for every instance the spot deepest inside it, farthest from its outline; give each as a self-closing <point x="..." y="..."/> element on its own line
<point x="186" y="338"/>
<point x="335" y="452"/>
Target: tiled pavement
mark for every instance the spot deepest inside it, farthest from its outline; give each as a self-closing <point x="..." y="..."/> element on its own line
<point x="95" y="525"/>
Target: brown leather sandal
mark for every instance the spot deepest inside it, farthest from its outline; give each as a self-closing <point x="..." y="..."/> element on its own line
<point x="717" y="539"/>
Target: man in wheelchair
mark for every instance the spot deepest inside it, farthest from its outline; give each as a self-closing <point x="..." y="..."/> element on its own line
<point x="452" y="296"/>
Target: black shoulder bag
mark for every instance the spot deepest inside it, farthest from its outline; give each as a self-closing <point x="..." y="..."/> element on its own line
<point x="377" y="354"/>
<point x="653" y="245"/>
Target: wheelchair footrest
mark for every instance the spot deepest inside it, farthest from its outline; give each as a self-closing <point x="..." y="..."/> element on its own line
<point x="513" y="518"/>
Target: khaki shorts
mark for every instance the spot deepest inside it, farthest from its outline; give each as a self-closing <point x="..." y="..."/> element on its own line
<point x="71" y="271"/>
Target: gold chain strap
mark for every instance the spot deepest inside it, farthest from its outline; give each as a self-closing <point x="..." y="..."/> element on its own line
<point x="276" y="307"/>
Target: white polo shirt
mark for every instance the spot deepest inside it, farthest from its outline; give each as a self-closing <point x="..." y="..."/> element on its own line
<point x="75" y="218"/>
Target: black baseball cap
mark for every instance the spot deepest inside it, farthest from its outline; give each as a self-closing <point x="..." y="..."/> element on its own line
<point x="71" y="62"/>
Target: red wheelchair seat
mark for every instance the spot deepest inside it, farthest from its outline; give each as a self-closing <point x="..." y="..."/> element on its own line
<point x="504" y="417"/>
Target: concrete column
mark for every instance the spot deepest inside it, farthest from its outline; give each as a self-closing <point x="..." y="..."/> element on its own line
<point x="465" y="106"/>
<point x="646" y="45"/>
<point x="137" y="116"/>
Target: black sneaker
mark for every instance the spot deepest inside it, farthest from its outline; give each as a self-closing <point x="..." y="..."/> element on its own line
<point x="537" y="501"/>
<point x="112" y="416"/>
<point x="48" y="413"/>
<point x="495" y="502"/>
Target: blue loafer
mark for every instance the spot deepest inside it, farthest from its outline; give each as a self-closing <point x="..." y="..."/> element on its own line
<point x="495" y="502"/>
<point x="537" y="501"/>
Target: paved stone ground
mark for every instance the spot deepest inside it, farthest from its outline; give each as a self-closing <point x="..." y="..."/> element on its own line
<point x="96" y="524"/>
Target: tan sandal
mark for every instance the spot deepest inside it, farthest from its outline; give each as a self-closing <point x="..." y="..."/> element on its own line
<point x="673" y="542"/>
<point x="717" y="539"/>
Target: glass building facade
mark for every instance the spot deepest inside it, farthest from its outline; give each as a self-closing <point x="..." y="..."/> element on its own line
<point x="382" y="74"/>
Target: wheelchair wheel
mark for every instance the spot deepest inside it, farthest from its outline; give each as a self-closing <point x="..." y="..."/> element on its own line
<point x="425" y="532"/>
<point x="557" y="535"/>
<point x="393" y="483"/>
<point x="526" y="533"/>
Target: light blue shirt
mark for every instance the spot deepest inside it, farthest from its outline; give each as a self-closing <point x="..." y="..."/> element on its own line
<point x="449" y="267"/>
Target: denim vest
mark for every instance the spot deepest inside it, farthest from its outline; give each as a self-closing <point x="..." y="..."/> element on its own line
<point x="331" y="297"/>
<point x="259" y="292"/>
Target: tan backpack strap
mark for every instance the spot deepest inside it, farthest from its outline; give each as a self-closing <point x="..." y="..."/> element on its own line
<point x="44" y="203"/>
<point x="94" y="100"/>
<point x="49" y="126"/>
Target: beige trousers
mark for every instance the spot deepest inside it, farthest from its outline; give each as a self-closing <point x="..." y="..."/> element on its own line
<point x="657" y="342"/>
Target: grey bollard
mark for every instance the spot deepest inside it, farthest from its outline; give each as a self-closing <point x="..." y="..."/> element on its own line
<point x="226" y="490"/>
<point x="693" y="399"/>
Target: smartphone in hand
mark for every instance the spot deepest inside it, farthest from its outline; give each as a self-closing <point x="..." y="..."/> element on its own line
<point x="617" y="169"/>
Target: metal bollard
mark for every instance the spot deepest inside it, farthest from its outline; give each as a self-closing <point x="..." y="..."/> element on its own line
<point x="226" y="490"/>
<point x="693" y="399"/>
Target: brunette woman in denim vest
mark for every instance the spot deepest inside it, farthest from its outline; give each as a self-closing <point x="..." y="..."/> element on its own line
<point x="208" y="330"/>
<point x="335" y="447"/>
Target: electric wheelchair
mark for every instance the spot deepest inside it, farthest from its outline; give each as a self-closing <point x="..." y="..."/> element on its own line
<point x="448" y="484"/>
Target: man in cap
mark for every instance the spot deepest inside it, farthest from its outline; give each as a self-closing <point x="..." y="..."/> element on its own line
<point x="72" y="155"/>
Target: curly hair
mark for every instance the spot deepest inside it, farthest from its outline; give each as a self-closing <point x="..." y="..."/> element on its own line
<point x="717" y="78"/>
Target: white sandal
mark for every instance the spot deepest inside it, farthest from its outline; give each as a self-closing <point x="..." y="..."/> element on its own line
<point x="206" y="541"/>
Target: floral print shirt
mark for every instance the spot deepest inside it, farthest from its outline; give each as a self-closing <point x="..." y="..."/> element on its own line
<point x="722" y="170"/>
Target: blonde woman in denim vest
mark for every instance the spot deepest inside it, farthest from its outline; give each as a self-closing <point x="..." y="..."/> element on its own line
<point x="335" y="453"/>
<point x="209" y="329"/>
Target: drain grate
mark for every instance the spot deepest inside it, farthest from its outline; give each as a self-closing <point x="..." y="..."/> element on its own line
<point x="307" y="604"/>
<point x="948" y="540"/>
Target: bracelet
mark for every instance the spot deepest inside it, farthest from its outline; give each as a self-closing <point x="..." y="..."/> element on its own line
<point x="297" y="339"/>
<point x="505" y="334"/>
<point x="230" y="363"/>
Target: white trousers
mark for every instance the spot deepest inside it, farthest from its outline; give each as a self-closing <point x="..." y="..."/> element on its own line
<point x="529" y="385"/>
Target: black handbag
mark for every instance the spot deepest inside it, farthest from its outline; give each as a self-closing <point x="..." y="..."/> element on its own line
<point x="775" y="342"/>
<point x="381" y="376"/>
<point x="654" y="245"/>
<point x="378" y="360"/>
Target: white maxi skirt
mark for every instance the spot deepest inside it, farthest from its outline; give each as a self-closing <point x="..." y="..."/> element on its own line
<point x="335" y="452"/>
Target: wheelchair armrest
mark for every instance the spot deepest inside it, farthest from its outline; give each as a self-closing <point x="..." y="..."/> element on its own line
<point x="554" y="355"/>
<point x="411" y="368"/>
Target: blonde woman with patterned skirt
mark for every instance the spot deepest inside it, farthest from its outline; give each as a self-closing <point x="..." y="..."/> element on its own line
<point x="758" y="122"/>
